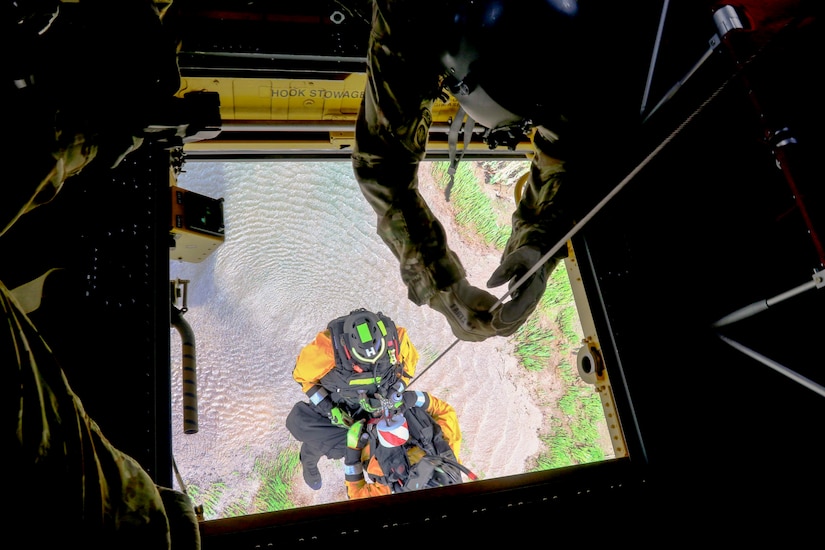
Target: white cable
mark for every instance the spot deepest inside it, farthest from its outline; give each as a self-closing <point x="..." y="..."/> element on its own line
<point x="795" y="376"/>
<point x="589" y="216"/>
<point x="576" y="228"/>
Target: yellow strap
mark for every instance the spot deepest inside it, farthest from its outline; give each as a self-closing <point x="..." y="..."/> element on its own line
<point x="29" y="295"/>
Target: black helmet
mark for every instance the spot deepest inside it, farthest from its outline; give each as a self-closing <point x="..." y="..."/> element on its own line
<point x="495" y="49"/>
<point x="365" y="336"/>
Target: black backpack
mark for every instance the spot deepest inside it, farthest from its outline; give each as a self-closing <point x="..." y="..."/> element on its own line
<point x="437" y="468"/>
<point x="349" y="382"/>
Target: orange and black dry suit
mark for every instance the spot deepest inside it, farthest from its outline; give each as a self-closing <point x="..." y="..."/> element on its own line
<point x="310" y="425"/>
<point x="443" y="414"/>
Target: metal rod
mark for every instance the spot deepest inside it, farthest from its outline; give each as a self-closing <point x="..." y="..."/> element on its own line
<point x="762" y="305"/>
<point x="795" y="376"/>
<point x="621" y="185"/>
<point x="656" y="46"/>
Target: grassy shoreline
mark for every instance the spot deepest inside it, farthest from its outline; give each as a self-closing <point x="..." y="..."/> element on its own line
<point x="567" y="439"/>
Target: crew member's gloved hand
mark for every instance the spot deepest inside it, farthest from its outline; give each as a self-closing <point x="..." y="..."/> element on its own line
<point x="512" y="314"/>
<point x="340" y="418"/>
<point x="467" y="309"/>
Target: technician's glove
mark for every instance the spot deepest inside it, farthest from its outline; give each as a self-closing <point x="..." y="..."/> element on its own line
<point x="340" y="418"/>
<point x="467" y="309"/>
<point x="512" y="314"/>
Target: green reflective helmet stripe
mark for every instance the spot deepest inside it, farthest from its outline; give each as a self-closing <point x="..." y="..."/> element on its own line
<point x="375" y="355"/>
<point x="364" y="332"/>
<point x="382" y="327"/>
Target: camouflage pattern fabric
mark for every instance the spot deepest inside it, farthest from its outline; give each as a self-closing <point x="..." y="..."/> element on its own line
<point x="404" y="80"/>
<point x="70" y="487"/>
<point x="63" y="469"/>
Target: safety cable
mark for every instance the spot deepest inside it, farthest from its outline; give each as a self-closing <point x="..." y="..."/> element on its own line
<point x="462" y="122"/>
<point x="442" y="354"/>
<point x="576" y="228"/>
<point x="179" y="477"/>
<point x="785" y="371"/>
<point x="198" y="508"/>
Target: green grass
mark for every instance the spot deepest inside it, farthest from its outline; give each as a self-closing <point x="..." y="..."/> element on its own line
<point x="567" y="443"/>
<point x="505" y="172"/>
<point x="576" y="440"/>
<point x="473" y="208"/>
<point x="274" y="493"/>
<point x="533" y="344"/>
<point x="208" y="498"/>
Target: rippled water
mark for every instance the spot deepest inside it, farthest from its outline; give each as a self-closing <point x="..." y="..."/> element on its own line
<point x="300" y="250"/>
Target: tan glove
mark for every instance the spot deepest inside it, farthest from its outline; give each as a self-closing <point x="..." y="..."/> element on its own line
<point x="512" y="314"/>
<point x="467" y="309"/>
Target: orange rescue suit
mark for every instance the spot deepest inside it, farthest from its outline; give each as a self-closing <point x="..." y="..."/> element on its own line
<point x="318" y="358"/>
<point x="444" y="415"/>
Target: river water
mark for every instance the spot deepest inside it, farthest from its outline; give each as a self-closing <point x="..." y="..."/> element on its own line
<point x="300" y="250"/>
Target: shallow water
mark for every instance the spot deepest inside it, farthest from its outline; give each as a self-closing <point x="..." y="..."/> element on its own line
<point x="300" y="250"/>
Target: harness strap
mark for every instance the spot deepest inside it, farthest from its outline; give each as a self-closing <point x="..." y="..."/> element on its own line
<point x="468" y="472"/>
<point x="455" y="128"/>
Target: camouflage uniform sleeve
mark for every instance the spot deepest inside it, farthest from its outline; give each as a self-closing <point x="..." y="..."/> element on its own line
<point x="390" y="142"/>
<point x="542" y="216"/>
<point x="62" y="462"/>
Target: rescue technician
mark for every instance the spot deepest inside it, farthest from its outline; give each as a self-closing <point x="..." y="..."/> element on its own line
<point x="517" y="67"/>
<point x="352" y="371"/>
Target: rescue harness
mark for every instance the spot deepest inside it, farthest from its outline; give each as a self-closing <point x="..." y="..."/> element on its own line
<point x="436" y="464"/>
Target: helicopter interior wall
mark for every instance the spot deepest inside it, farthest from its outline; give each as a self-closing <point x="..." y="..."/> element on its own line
<point x="710" y="226"/>
<point x="105" y="311"/>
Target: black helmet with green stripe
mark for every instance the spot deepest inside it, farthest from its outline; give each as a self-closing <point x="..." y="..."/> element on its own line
<point x="365" y="336"/>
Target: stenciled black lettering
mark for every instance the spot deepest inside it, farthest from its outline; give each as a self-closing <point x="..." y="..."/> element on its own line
<point x="337" y="94"/>
<point x="288" y="92"/>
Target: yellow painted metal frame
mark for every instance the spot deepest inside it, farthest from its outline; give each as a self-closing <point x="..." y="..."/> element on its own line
<point x="590" y="361"/>
<point x="301" y="115"/>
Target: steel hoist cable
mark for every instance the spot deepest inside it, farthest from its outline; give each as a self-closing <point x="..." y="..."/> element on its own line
<point x="576" y="228"/>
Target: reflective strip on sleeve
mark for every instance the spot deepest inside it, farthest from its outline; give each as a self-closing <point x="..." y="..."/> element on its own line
<point x="420" y="398"/>
<point x="353" y="469"/>
<point x="318" y="396"/>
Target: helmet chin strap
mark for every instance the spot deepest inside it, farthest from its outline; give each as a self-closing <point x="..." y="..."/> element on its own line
<point x="458" y="125"/>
